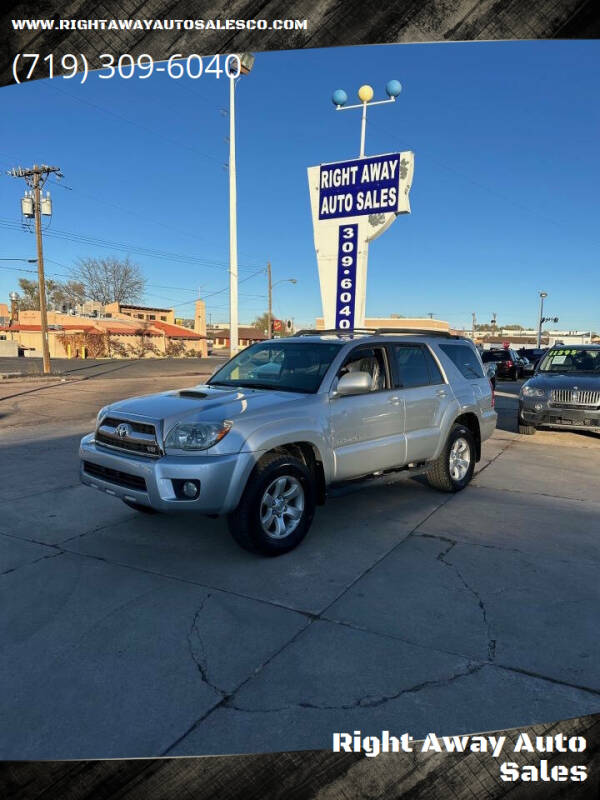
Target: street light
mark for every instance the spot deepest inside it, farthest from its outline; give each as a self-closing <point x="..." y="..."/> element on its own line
<point x="271" y="285"/>
<point x="543" y="319"/>
<point x="365" y="94"/>
<point x="539" y="336"/>
<point x="246" y="62"/>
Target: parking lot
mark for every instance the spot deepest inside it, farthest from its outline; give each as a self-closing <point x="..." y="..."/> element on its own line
<point x="405" y="609"/>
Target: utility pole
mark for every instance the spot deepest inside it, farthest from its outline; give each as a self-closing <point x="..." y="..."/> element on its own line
<point x="270" y="311"/>
<point x="474" y="321"/>
<point x="36" y="177"/>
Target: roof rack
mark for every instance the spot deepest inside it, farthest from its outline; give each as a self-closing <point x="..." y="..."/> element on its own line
<point x="376" y="332"/>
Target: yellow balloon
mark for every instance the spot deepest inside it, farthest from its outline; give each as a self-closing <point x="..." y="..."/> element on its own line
<point x="365" y="93"/>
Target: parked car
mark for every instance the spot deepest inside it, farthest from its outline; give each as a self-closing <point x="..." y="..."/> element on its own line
<point x="533" y="354"/>
<point x="528" y="367"/>
<point x="564" y="392"/>
<point x="490" y="371"/>
<point x="508" y="363"/>
<point x="282" y="421"/>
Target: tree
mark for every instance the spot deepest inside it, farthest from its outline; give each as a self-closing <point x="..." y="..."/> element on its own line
<point x="108" y="280"/>
<point x="262" y="323"/>
<point x="57" y="294"/>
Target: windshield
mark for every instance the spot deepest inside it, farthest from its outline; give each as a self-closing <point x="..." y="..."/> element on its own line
<point x="286" y="366"/>
<point x="571" y="360"/>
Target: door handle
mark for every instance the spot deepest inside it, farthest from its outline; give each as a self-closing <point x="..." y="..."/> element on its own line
<point x="442" y="393"/>
<point x="395" y="400"/>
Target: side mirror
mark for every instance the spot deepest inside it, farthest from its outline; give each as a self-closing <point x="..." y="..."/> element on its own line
<point x="490" y="372"/>
<point x="354" y="383"/>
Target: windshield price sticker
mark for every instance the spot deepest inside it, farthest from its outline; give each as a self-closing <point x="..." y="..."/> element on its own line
<point x="364" y="186"/>
<point x="346" y="277"/>
<point x="562" y="353"/>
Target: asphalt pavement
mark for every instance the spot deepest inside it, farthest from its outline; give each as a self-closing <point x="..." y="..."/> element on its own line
<point x="405" y="609"/>
<point x="121" y="367"/>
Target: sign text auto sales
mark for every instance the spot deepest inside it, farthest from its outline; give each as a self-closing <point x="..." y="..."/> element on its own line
<point x="364" y="186"/>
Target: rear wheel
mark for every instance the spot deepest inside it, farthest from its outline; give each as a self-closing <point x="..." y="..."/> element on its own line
<point x="277" y="506"/>
<point x="454" y="467"/>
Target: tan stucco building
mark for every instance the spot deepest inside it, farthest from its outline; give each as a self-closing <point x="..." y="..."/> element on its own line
<point x="121" y="332"/>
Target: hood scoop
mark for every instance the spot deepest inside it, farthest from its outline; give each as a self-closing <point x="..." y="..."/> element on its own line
<point x="192" y="393"/>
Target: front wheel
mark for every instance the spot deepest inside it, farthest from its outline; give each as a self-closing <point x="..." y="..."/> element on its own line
<point x="454" y="467"/>
<point x="277" y="507"/>
<point x="525" y="428"/>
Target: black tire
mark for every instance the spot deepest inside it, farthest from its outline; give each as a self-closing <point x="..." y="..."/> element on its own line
<point x="140" y="507"/>
<point x="525" y="428"/>
<point x="439" y="476"/>
<point x="245" y="522"/>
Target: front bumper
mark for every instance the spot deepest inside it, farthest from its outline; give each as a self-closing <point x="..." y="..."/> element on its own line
<point x="149" y="482"/>
<point x="564" y="418"/>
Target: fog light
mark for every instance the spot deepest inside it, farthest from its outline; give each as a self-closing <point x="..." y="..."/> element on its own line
<point x="538" y="406"/>
<point x="190" y="489"/>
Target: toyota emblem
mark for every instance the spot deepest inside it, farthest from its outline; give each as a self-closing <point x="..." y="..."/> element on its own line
<point x="122" y="430"/>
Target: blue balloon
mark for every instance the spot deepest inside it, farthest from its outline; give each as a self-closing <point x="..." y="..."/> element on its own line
<point x="339" y="97"/>
<point x="393" y="88"/>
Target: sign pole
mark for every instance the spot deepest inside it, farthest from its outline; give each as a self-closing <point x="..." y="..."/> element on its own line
<point x="363" y="130"/>
<point x="352" y="203"/>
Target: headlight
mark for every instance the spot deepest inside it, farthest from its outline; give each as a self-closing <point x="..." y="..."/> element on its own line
<point x="530" y="391"/>
<point x="197" y="435"/>
<point x="101" y="414"/>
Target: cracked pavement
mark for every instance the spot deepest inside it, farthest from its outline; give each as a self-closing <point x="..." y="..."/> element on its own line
<point x="124" y="635"/>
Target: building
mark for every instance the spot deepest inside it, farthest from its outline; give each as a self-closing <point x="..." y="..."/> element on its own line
<point x="527" y="338"/>
<point x="116" y="334"/>
<point x="148" y="314"/>
<point x="398" y="322"/>
<point x="247" y="335"/>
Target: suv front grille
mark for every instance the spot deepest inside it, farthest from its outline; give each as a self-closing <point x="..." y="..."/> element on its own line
<point x="139" y="427"/>
<point x="114" y="476"/>
<point x="574" y="398"/>
<point x="129" y="436"/>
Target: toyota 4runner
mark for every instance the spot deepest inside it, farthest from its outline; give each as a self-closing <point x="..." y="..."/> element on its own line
<point x="266" y="436"/>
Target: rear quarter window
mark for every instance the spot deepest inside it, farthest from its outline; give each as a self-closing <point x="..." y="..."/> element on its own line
<point x="465" y="359"/>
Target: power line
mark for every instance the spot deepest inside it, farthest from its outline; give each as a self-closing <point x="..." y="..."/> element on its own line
<point x="127" y="247"/>
<point x="137" y="125"/>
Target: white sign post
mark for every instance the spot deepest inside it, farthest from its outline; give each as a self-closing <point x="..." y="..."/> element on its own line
<point x="354" y="202"/>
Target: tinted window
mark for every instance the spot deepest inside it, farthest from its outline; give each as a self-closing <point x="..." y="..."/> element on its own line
<point x="464" y="358"/>
<point x="495" y="355"/>
<point x="416" y="366"/>
<point x="370" y="360"/>
<point x="289" y="366"/>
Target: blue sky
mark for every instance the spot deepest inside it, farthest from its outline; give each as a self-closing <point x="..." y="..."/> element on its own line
<point x="504" y="198"/>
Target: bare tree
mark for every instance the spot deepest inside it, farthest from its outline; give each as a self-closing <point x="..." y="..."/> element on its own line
<point x="57" y="294"/>
<point x="110" y="280"/>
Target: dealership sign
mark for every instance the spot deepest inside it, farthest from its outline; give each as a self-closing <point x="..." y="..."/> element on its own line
<point x="352" y="203"/>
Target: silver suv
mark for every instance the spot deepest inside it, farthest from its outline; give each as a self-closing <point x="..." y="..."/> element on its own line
<point x="284" y="420"/>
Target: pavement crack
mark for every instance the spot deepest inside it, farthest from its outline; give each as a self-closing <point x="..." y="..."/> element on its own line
<point x="491" y="642"/>
<point x="31" y="563"/>
<point x="197" y="648"/>
<point x="369" y="701"/>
